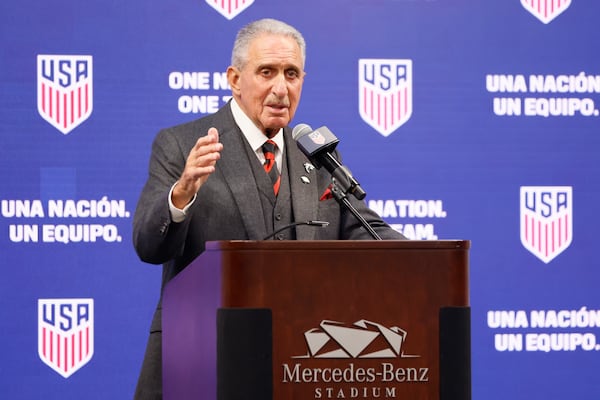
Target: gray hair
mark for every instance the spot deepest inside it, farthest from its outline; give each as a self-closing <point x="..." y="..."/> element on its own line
<point x="239" y="55"/>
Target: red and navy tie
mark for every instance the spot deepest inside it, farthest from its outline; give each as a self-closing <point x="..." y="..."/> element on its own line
<point x="270" y="165"/>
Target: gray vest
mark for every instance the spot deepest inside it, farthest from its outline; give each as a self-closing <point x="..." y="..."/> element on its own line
<point x="277" y="211"/>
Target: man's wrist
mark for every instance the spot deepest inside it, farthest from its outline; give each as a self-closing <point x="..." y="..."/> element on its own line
<point x="178" y="214"/>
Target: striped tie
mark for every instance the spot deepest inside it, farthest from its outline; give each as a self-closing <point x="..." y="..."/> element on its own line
<point x="270" y="165"/>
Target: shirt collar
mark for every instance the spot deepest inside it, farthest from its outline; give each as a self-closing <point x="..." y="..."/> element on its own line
<point x="253" y="135"/>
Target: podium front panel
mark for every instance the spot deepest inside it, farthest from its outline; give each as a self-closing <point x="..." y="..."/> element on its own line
<point x="350" y="319"/>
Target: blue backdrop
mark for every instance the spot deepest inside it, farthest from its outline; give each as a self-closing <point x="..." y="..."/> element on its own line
<point x="493" y="137"/>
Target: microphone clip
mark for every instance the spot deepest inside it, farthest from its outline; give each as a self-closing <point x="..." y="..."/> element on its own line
<point x="343" y="179"/>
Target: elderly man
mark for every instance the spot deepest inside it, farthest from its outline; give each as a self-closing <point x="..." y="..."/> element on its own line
<point x="238" y="174"/>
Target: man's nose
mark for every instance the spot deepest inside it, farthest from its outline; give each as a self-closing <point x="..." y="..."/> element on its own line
<point x="280" y="86"/>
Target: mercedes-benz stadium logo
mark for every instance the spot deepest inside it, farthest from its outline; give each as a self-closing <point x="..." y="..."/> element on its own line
<point x="363" y="339"/>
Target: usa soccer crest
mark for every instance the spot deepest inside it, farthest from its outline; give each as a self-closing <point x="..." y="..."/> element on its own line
<point x="316" y="137"/>
<point x="230" y="8"/>
<point x="65" y="90"/>
<point x="65" y="333"/>
<point x="385" y="93"/>
<point x="546" y="220"/>
<point x="546" y="10"/>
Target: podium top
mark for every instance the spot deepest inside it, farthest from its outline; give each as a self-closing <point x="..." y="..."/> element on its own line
<point x="337" y="244"/>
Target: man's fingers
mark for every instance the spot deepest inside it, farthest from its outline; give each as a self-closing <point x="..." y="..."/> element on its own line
<point x="214" y="134"/>
<point x="207" y="144"/>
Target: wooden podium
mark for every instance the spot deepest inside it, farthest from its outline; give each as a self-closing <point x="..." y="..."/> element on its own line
<point x="318" y="320"/>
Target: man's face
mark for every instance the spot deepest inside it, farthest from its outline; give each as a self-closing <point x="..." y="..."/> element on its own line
<point x="268" y="87"/>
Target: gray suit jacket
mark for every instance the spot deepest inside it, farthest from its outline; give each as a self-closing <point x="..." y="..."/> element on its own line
<point x="228" y="205"/>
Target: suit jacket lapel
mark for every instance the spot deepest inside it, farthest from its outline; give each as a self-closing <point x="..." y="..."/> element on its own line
<point x="236" y="169"/>
<point x="303" y="186"/>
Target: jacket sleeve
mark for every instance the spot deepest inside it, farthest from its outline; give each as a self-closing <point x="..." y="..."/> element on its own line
<point x="156" y="238"/>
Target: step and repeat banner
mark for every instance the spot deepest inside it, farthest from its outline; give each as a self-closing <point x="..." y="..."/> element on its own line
<point x="462" y="119"/>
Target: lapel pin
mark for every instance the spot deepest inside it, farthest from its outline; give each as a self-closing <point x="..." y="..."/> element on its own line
<point x="308" y="167"/>
<point x="305" y="179"/>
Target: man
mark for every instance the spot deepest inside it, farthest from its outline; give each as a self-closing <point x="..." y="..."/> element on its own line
<point x="207" y="180"/>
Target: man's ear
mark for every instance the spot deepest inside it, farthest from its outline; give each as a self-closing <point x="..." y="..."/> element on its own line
<point x="233" y="77"/>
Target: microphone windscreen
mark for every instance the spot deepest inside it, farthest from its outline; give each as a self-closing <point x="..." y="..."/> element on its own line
<point x="301" y="130"/>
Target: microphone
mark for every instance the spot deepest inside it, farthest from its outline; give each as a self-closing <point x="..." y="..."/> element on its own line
<point x="318" y="145"/>
<point x="321" y="224"/>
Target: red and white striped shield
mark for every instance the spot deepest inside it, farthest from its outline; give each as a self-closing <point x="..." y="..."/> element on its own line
<point x="65" y="90"/>
<point x="546" y="10"/>
<point x="546" y="220"/>
<point x="65" y="333"/>
<point x="385" y="93"/>
<point x="230" y="8"/>
<point x="316" y="137"/>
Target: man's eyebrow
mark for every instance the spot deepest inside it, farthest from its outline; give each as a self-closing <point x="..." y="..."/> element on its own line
<point x="275" y="65"/>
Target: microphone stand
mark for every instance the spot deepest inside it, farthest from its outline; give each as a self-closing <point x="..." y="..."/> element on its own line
<point x="340" y="196"/>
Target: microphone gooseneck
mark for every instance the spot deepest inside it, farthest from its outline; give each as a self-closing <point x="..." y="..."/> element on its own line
<point x="321" y="224"/>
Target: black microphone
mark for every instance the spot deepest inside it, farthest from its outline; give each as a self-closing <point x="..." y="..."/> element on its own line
<point x="321" y="224"/>
<point x="318" y="145"/>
